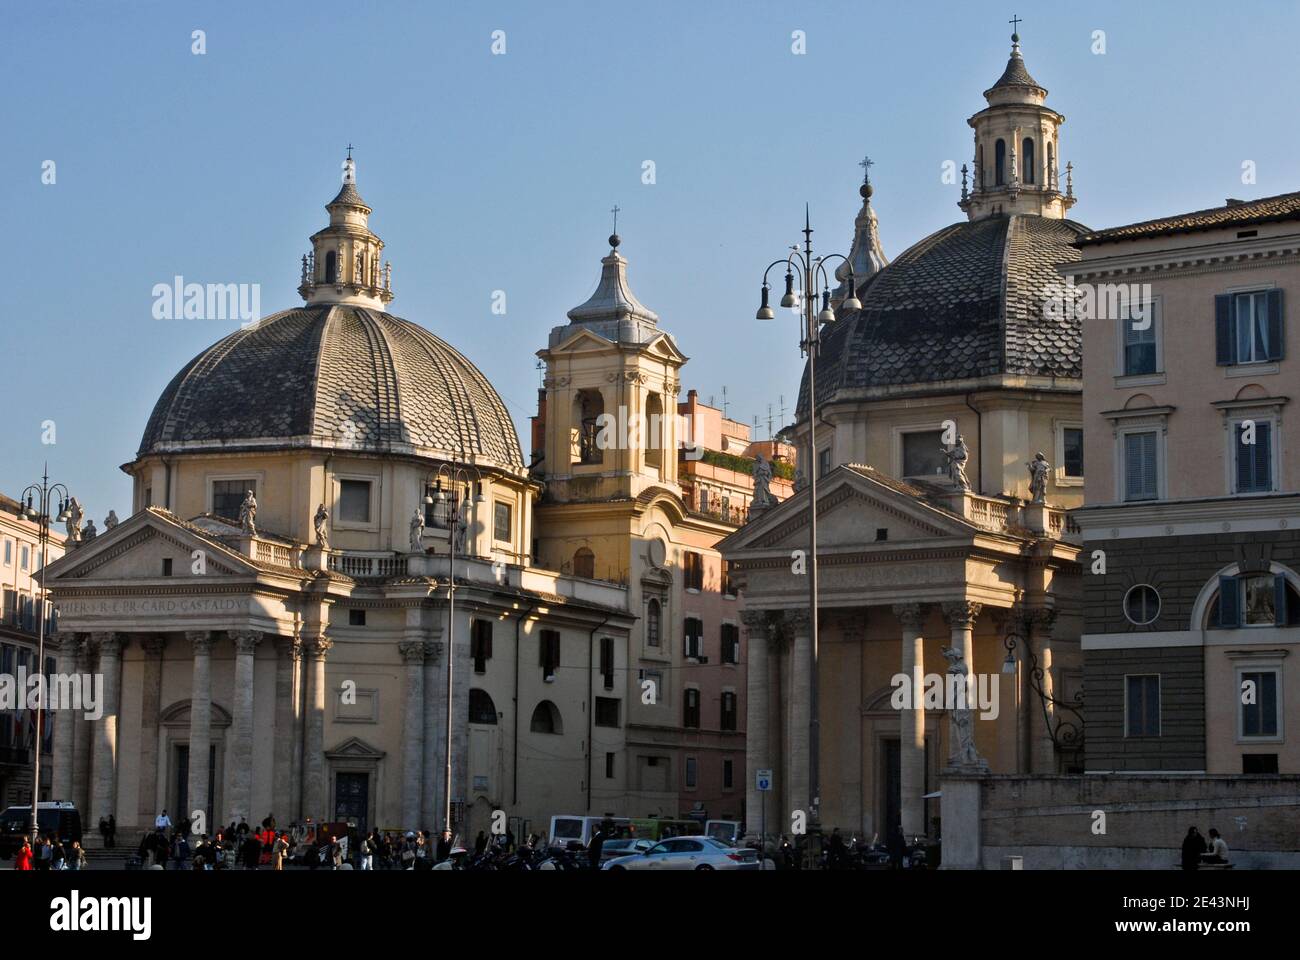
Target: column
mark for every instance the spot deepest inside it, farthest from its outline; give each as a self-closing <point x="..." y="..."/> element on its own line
<point x="961" y="617"/>
<point x="435" y="718"/>
<point x="65" y="721"/>
<point x="757" y="707"/>
<point x="83" y="659"/>
<point x="150" y="705"/>
<point x="288" y="651"/>
<point x="1042" y="749"/>
<point x="799" y="694"/>
<point x="239" y="764"/>
<point x="196" y="790"/>
<point x="103" y="800"/>
<point x="911" y="721"/>
<point x="315" y="797"/>
<point x="412" y="732"/>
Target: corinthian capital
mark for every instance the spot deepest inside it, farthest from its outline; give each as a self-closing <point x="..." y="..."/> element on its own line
<point x="1041" y="620"/>
<point x="246" y="641"/>
<point x="200" y="640"/>
<point x="109" y="644"/>
<point x="911" y="615"/>
<point x="413" y="652"/>
<point x="797" y="622"/>
<point x="318" y="648"/>
<point x="962" y="612"/>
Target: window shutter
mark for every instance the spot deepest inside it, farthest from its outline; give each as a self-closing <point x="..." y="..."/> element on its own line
<point x="1279" y="600"/>
<point x="1224" y="340"/>
<point x="1245" y="459"/>
<point x="1276" y="331"/>
<point x="1263" y="456"/>
<point x="1229" y="602"/>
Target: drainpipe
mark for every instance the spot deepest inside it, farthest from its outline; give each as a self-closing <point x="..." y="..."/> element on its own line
<point x="979" y="441"/>
<point x="591" y="717"/>
<point x="515" y="774"/>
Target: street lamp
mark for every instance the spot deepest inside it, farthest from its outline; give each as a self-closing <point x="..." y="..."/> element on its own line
<point x="810" y="271"/>
<point x="455" y="476"/>
<point x="39" y="513"/>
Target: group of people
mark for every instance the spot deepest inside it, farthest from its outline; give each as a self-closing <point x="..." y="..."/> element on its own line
<point x="1197" y="852"/>
<point x="49" y="853"/>
<point x="238" y="845"/>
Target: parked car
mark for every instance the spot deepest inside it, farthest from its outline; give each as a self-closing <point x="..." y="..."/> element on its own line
<point x="623" y="848"/>
<point x="688" y="853"/>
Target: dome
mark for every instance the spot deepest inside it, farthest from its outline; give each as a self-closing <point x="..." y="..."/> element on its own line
<point x="334" y="376"/>
<point x="966" y="302"/>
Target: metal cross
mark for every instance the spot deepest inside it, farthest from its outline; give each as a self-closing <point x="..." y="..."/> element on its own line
<point x="866" y="163"/>
<point x="615" y="213"/>
<point x="349" y="151"/>
<point x="1015" y="22"/>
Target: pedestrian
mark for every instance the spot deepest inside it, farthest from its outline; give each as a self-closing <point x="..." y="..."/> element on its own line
<point x="1193" y="847"/>
<point x="252" y="851"/>
<point x="180" y="849"/>
<point x="897" y="847"/>
<point x="57" y="861"/>
<point x="76" y="856"/>
<point x="594" y="848"/>
<point x="444" y="846"/>
<point x="1218" y="849"/>
<point x="162" y="821"/>
<point x="103" y="830"/>
<point x="278" y="849"/>
<point x="44" y="854"/>
<point x="23" y="858"/>
<point x="480" y="844"/>
<point x="112" y="830"/>
<point x="368" y="852"/>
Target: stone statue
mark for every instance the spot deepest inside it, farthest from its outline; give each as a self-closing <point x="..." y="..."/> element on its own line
<point x="762" y="478"/>
<point x="800" y="481"/>
<point x="321" y="519"/>
<point x="75" y="513"/>
<point x="111" y="520"/>
<point x="90" y="532"/>
<point x="957" y="457"/>
<point x="248" y="514"/>
<point x="417" y="531"/>
<point x="961" y="719"/>
<point x="1038" y="468"/>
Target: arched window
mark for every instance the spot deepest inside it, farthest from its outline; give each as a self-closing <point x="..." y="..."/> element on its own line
<point x="546" y="719"/>
<point x="1254" y="599"/>
<point x="999" y="163"/>
<point x="481" y="707"/>
<point x="588" y="406"/>
<point x="654" y="431"/>
<point x="584" y="564"/>
<point x="1051" y="166"/>
<point x="652" y="617"/>
<point x="331" y="267"/>
<point x="979" y="166"/>
<point x="1027" y="160"/>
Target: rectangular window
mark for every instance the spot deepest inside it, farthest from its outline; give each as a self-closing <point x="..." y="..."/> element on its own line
<point x="823" y="461"/>
<point x="167" y="566"/>
<point x="728" y="774"/>
<point x="923" y="454"/>
<point x="1248" y="327"/>
<point x="501" y="524"/>
<point x="1259" y="718"/>
<point x="607" y="661"/>
<point x="1259" y="763"/>
<point x="356" y="618"/>
<point x="728" y="588"/>
<point x="354" y="501"/>
<point x="692" y="772"/>
<point x="25" y="557"/>
<point x="227" y="495"/>
<point x="1139" y="346"/>
<point x="609" y="766"/>
<point x="1142" y="706"/>
<point x="1073" y="444"/>
<point x="548" y="647"/>
<point x="1140" y="480"/>
<point x="730" y="643"/>
<point x="10" y="608"/>
<point x="9" y="553"/>
<point x="694" y="631"/>
<point x="1254" y="460"/>
<point x="480" y="644"/>
<point x="606" y="712"/>
<point x="728" y="711"/>
<point x="691" y="711"/>
<point x="694" y="570"/>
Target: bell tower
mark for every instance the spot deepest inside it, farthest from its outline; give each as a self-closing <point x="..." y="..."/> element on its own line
<point x="344" y="263"/>
<point x="609" y="427"/>
<point x="1017" y="150"/>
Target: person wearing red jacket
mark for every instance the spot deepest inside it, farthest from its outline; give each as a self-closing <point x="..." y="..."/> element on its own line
<point x="23" y="859"/>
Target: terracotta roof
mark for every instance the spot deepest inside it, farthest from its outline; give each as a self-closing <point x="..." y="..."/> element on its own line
<point x="1285" y="206"/>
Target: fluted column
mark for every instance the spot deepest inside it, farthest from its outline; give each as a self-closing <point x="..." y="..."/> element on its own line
<point x="911" y="721"/>
<point x="239" y="766"/>
<point x="799" y="625"/>
<point x="412" y="732"/>
<point x="103" y="788"/>
<point x="83" y="660"/>
<point x="200" y="725"/>
<point x="1042" y="748"/>
<point x="150" y="705"/>
<point x="757" y="711"/>
<point x="435" y="718"/>
<point x="288" y="651"/>
<point x="961" y="617"/>
<point x="315" y="797"/>
<point x="65" y="723"/>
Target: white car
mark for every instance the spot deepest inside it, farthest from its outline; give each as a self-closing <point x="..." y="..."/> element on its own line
<point x="688" y="853"/>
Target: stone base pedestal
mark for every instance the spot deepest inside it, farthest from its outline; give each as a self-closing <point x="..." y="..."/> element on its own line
<point x="959" y="811"/>
<point x="316" y="558"/>
<point x="419" y="565"/>
<point x="1035" y="517"/>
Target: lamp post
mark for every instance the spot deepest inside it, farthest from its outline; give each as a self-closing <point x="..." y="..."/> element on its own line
<point x="810" y="270"/>
<point x="455" y="510"/>
<point x="39" y="513"/>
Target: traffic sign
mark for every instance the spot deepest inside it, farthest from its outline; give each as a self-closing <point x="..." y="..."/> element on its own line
<point x="763" y="780"/>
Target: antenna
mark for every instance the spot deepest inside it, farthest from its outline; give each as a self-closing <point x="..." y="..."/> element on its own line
<point x="769" y="421"/>
<point x="724" y="401"/>
<point x="782" y="420"/>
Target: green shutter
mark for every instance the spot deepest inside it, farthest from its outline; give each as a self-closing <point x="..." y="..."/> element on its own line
<point x="1279" y="600"/>
<point x="1276" y="330"/>
<point x="1224" y="341"/>
<point x="1229" y="602"/>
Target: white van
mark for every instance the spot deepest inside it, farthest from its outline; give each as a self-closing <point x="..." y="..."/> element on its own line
<point x="579" y="829"/>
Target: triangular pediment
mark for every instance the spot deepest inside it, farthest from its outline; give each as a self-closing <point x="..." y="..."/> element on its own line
<point x="354" y="748"/>
<point x="581" y="340"/>
<point x="136" y="548"/>
<point x="852" y="510"/>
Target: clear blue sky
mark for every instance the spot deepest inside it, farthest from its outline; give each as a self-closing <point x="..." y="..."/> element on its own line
<point x="497" y="172"/>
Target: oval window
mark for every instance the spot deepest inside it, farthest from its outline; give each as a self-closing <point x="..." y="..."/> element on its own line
<point x="1142" y="604"/>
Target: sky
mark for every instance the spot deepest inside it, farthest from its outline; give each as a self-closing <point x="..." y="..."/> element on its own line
<point x="497" y="171"/>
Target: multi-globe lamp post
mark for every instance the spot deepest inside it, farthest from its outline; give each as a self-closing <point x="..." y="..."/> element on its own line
<point x="36" y="508"/>
<point x="811" y="272"/>
<point x="455" y="511"/>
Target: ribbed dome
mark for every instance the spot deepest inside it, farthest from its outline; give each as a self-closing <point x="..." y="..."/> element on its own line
<point x="966" y="302"/>
<point x="334" y="376"/>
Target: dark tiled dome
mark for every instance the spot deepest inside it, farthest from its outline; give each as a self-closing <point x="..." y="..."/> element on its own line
<point x="965" y="302"/>
<point x="334" y="376"/>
